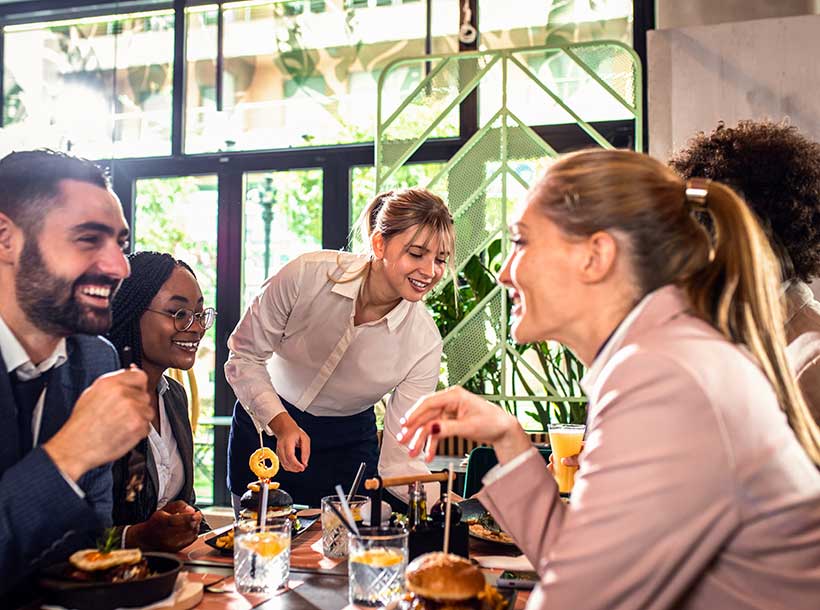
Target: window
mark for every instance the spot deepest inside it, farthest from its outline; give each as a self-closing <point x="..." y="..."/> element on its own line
<point x="178" y="215"/>
<point x="554" y="24"/>
<point x="302" y="77"/>
<point x="99" y="87"/>
<point x="283" y="218"/>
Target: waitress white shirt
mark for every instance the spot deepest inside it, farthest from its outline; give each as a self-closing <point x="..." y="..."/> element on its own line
<point x="297" y="339"/>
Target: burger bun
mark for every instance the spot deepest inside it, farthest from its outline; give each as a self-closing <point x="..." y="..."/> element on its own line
<point x="444" y="577"/>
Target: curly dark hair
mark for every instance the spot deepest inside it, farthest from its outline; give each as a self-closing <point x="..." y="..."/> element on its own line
<point x="149" y="271"/>
<point x="777" y="171"/>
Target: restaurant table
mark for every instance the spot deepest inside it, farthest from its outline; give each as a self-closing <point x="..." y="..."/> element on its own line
<point x="316" y="582"/>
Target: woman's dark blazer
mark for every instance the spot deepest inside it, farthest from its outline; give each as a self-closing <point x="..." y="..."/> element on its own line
<point x="145" y="502"/>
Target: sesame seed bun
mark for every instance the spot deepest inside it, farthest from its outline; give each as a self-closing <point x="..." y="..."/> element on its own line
<point x="444" y="577"/>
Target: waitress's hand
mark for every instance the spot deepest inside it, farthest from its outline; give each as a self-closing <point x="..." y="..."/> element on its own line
<point x="456" y="411"/>
<point x="289" y="437"/>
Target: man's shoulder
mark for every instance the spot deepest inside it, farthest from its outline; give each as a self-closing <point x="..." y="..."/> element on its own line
<point x="93" y="352"/>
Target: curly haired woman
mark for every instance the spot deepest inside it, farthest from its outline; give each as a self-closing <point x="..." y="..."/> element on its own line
<point x="777" y="170"/>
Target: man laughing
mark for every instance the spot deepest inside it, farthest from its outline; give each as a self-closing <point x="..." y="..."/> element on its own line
<point x="64" y="415"/>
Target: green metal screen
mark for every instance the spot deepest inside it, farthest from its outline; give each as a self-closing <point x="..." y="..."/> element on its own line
<point x="482" y="181"/>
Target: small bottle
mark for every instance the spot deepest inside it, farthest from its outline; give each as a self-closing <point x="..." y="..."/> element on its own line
<point x="416" y="507"/>
<point x="438" y="511"/>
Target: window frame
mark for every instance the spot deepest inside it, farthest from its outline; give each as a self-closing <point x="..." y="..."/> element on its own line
<point x="230" y="167"/>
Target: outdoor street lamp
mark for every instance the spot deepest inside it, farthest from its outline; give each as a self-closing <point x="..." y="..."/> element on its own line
<point x="267" y="197"/>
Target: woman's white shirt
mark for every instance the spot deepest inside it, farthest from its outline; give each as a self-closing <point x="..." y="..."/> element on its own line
<point x="298" y="340"/>
<point x="164" y="448"/>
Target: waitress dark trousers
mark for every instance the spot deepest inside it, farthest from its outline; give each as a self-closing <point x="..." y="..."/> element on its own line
<point x="337" y="446"/>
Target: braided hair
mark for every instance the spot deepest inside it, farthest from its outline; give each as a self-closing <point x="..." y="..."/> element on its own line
<point x="149" y="272"/>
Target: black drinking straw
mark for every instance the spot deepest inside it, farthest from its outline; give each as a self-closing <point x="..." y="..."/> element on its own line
<point x="136" y="459"/>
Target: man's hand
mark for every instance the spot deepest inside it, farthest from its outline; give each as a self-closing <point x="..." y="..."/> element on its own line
<point x="289" y="437"/>
<point x="111" y="416"/>
<point x="169" y="529"/>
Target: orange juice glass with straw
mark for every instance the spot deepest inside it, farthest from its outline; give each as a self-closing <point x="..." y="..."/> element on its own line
<point x="566" y="440"/>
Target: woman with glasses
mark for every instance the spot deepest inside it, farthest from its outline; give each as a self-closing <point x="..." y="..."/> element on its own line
<point x="330" y="335"/>
<point x="159" y="313"/>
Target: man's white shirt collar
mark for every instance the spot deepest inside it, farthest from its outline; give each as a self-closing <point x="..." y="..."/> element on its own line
<point x="17" y="359"/>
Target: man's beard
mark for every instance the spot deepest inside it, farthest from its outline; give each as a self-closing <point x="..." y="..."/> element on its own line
<point x="49" y="301"/>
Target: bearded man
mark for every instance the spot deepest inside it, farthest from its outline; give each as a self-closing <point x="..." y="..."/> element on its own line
<point x="64" y="415"/>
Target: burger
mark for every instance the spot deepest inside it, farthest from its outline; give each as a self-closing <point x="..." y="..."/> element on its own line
<point x="93" y="565"/>
<point x="280" y="504"/>
<point x="441" y="581"/>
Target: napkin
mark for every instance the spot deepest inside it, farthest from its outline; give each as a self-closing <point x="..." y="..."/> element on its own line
<point x="501" y="562"/>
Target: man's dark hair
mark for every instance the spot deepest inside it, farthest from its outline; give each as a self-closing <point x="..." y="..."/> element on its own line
<point x="30" y="183"/>
<point x="777" y="171"/>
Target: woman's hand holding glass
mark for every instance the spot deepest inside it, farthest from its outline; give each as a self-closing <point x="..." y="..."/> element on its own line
<point x="571" y="461"/>
<point x="456" y="411"/>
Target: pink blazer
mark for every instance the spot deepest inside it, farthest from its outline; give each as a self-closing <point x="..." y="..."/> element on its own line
<point x="692" y="492"/>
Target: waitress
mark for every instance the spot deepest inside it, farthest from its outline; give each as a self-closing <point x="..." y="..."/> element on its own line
<point x="331" y="334"/>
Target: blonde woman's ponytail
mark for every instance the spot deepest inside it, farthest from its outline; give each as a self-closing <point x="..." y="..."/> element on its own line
<point x="739" y="292"/>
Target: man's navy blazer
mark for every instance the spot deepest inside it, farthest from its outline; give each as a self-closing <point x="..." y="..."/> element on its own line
<point x="42" y="519"/>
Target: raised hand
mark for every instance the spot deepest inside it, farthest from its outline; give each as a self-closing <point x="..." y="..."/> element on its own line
<point x="111" y="416"/>
<point x="456" y="411"/>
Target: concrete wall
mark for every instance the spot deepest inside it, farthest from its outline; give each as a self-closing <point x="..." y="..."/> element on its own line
<point x="753" y="69"/>
<point x="698" y="76"/>
<point x="688" y="13"/>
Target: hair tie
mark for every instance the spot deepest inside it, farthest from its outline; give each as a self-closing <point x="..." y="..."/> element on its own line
<point x="696" y="191"/>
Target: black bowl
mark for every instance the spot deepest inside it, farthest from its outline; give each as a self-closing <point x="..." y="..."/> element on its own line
<point x="107" y="596"/>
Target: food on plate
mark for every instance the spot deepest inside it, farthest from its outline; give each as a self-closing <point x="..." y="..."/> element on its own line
<point x="225" y="541"/>
<point x="107" y="566"/>
<point x="254" y="485"/>
<point x="480" y="531"/>
<point x="441" y="581"/>
<point x="280" y="504"/>
<point x="486" y="528"/>
<point x="264" y="463"/>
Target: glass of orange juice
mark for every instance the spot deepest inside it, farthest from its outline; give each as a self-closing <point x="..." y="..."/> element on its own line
<point x="261" y="557"/>
<point x="376" y="565"/>
<point x="566" y="440"/>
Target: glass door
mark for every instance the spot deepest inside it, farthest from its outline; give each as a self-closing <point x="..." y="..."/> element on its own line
<point x="178" y="215"/>
<point x="282" y="218"/>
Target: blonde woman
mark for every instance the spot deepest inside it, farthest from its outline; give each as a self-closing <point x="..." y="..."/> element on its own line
<point x="698" y="485"/>
<point x="330" y="334"/>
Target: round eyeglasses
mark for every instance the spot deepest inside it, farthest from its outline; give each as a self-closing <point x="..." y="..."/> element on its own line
<point x="184" y="318"/>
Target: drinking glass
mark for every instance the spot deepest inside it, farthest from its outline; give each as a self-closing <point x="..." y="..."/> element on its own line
<point x="566" y="440"/>
<point x="334" y="534"/>
<point x="378" y="558"/>
<point x="261" y="557"/>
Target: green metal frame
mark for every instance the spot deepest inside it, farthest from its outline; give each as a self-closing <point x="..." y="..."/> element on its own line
<point x="488" y="318"/>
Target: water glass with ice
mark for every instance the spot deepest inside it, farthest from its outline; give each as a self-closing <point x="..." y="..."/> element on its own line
<point x="376" y="564"/>
<point x="261" y="557"/>
<point x="334" y="534"/>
